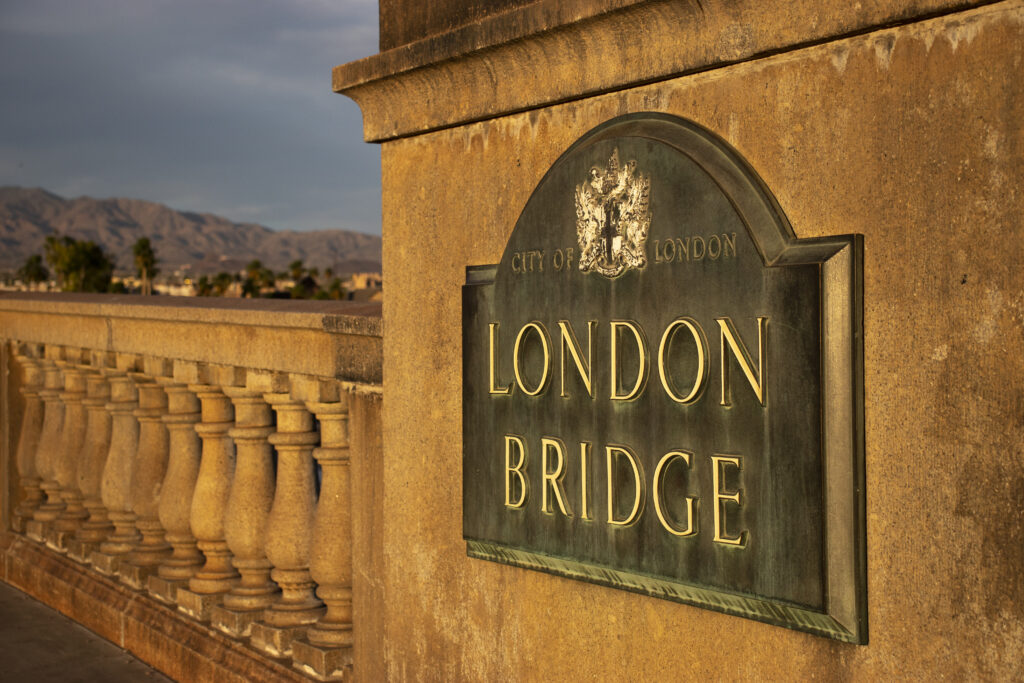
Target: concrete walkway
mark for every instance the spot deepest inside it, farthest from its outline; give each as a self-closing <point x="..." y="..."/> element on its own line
<point x="41" y="645"/>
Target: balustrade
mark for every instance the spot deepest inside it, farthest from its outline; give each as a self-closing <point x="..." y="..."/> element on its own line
<point x="217" y="576"/>
<point x="27" y="356"/>
<point x="49" y="444"/>
<point x="75" y="368"/>
<point x="252" y="493"/>
<point x="290" y="529"/>
<point x="197" y="483"/>
<point x="148" y="475"/>
<point x="175" y="506"/>
<point x="97" y="526"/>
<point x="115" y="487"/>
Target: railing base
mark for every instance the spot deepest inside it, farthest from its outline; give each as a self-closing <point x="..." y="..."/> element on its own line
<point x="275" y="641"/>
<point x="197" y="605"/>
<point x="155" y="633"/>
<point x="134" y="576"/>
<point x="322" y="663"/>
<point x="165" y="590"/>
<point x="105" y="563"/>
<point x="236" y="623"/>
<point x="37" y="530"/>
<point x="81" y="551"/>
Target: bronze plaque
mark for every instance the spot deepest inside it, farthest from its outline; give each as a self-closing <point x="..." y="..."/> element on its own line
<point x="663" y="386"/>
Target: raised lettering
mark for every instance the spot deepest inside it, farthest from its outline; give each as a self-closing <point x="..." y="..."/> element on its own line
<point x="492" y="362"/>
<point x="641" y="345"/>
<point x="723" y="497"/>
<point x="584" y="488"/>
<point x="570" y="344"/>
<point x="611" y="454"/>
<point x="553" y="480"/>
<point x="731" y="338"/>
<point x="658" y="490"/>
<point x="701" y="376"/>
<point x="515" y="470"/>
<point x="545" y="341"/>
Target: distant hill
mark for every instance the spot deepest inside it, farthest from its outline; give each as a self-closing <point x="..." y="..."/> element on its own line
<point x="206" y="242"/>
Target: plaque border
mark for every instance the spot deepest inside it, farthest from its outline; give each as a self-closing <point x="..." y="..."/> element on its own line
<point x="840" y="259"/>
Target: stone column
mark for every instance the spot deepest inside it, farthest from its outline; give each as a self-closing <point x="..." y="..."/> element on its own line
<point x="115" y="487"/>
<point x="72" y="439"/>
<point x="97" y="527"/>
<point x="28" y="438"/>
<point x="327" y="647"/>
<point x="148" y="476"/>
<point x="179" y="486"/>
<point x="290" y="530"/>
<point x="49" y="445"/>
<point x="252" y="493"/>
<point x="209" y="502"/>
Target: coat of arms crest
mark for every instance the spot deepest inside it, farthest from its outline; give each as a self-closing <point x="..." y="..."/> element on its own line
<point x="612" y="218"/>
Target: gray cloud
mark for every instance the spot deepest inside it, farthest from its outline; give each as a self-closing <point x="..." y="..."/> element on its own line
<point x="221" y="106"/>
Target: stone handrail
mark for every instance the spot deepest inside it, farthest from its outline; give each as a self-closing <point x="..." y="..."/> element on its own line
<point x="198" y="451"/>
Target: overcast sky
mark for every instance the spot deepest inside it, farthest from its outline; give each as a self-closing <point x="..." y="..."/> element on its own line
<point x="221" y="106"/>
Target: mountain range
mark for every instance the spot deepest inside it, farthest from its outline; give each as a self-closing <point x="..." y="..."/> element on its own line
<point x="205" y="242"/>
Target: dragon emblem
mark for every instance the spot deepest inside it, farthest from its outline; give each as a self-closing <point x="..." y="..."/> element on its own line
<point x="612" y="218"/>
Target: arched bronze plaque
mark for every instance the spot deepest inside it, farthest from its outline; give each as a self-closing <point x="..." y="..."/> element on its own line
<point x="663" y="386"/>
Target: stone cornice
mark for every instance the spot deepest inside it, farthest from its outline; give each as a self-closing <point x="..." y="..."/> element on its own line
<point x="551" y="51"/>
<point x="341" y="340"/>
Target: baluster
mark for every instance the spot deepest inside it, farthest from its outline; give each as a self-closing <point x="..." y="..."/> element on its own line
<point x="209" y="502"/>
<point x="97" y="527"/>
<point x="49" y="444"/>
<point x="115" y="487"/>
<point x="290" y="530"/>
<point x="72" y="438"/>
<point x="28" y="437"/>
<point x="148" y="476"/>
<point x="327" y="647"/>
<point x="179" y="485"/>
<point x="252" y="493"/>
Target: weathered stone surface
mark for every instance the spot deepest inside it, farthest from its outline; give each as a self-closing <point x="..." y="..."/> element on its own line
<point x="322" y="663"/>
<point x="909" y="135"/>
<point x="179" y="647"/>
<point x="556" y="50"/>
<point x="330" y="339"/>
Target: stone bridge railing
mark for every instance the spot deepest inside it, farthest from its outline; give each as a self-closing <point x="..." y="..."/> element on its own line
<point x="184" y="468"/>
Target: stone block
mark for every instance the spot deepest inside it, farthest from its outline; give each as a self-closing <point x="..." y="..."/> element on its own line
<point x="321" y="663"/>
<point x="105" y="563"/>
<point x="36" y="530"/>
<point x="58" y="539"/>
<point x="197" y="605"/>
<point x="80" y="551"/>
<point x="234" y="622"/>
<point x="134" y="575"/>
<point x="275" y="641"/>
<point x="165" y="590"/>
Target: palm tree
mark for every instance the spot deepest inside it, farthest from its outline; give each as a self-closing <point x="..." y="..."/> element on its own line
<point x="145" y="263"/>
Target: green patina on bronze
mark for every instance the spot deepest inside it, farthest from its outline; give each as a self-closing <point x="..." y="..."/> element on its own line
<point x="717" y="247"/>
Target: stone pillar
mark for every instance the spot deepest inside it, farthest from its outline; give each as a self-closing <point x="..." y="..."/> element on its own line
<point x="93" y="459"/>
<point x="148" y="476"/>
<point x="327" y="647"/>
<point x="290" y="530"/>
<point x="115" y="487"/>
<point x="28" y="438"/>
<point x="252" y="493"/>
<point x="72" y="438"/>
<point x="49" y="445"/>
<point x="209" y="502"/>
<point x="179" y="486"/>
